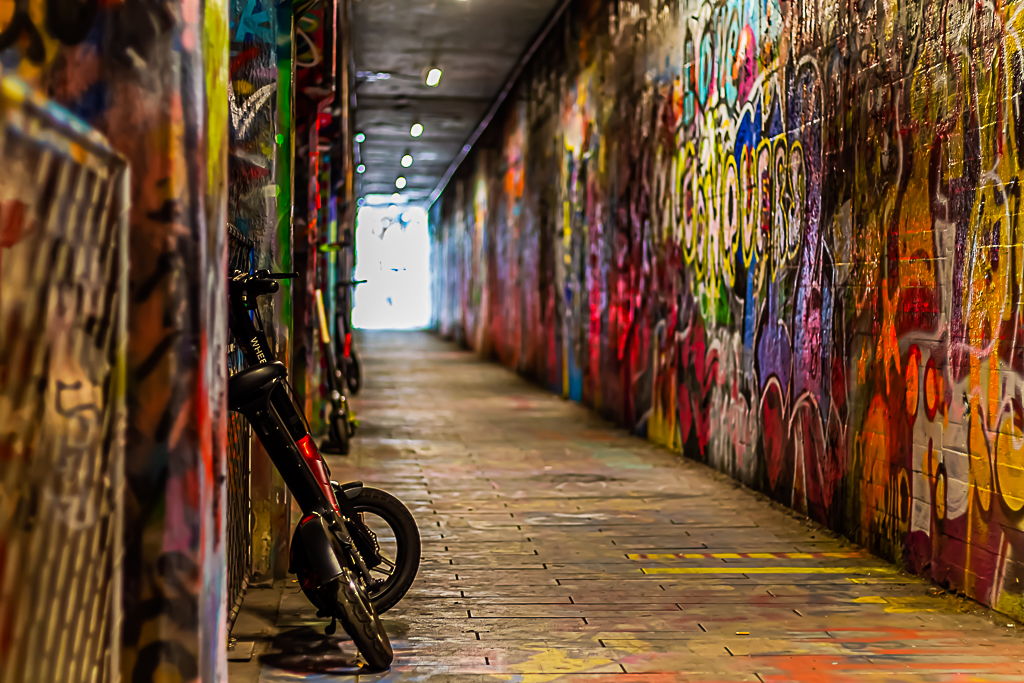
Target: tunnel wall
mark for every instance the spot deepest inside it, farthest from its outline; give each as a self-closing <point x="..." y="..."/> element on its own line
<point x="781" y="238"/>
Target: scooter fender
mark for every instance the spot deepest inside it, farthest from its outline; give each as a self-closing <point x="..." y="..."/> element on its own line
<point x="316" y="540"/>
<point x="351" y="490"/>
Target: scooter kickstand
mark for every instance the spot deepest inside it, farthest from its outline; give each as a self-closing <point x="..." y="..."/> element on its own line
<point x="333" y="628"/>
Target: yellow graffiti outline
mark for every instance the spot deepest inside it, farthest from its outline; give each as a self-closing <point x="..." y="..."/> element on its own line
<point x="764" y="197"/>
<point x="735" y="240"/>
<point x="780" y="153"/>
<point x="798" y="198"/>
<point x="688" y="182"/>
<point x="748" y="223"/>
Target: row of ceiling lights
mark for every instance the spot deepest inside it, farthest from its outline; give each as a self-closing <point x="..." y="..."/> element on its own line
<point x="407" y="159"/>
<point x="433" y="79"/>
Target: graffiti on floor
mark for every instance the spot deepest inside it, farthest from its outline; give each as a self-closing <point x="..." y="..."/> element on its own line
<point x="783" y="239"/>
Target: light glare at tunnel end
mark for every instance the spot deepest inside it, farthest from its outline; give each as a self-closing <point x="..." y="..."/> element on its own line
<point x="393" y="256"/>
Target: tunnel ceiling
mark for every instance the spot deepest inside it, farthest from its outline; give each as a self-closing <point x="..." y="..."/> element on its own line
<point x="476" y="43"/>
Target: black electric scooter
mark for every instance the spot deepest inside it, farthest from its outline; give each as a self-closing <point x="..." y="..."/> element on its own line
<point x="345" y="352"/>
<point x="350" y="366"/>
<point x="333" y="549"/>
<point x="341" y="426"/>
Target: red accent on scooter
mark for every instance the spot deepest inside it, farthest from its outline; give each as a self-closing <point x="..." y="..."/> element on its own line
<point x="311" y="454"/>
<point x="348" y="345"/>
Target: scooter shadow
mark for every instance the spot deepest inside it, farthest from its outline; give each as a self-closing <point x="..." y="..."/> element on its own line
<point x="308" y="650"/>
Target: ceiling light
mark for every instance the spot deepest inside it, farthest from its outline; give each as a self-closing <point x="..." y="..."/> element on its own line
<point x="396" y="198"/>
<point x="407" y="161"/>
<point x="434" y="77"/>
<point x="361" y="168"/>
<point x="416" y="130"/>
<point x="400" y="183"/>
<point x="360" y="137"/>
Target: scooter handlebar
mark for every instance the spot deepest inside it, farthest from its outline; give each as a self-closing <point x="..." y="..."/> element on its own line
<point x="257" y="284"/>
<point x="275" y="276"/>
<point x="261" y="287"/>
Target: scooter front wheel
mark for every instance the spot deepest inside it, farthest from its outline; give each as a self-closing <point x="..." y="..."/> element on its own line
<point x="349" y="603"/>
<point x="389" y="542"/>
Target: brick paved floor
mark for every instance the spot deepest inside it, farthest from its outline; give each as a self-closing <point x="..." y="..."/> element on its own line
<point x="559" y="548"/>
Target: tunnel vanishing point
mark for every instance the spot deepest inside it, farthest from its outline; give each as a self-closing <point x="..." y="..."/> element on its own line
<point x="781" y="241"/>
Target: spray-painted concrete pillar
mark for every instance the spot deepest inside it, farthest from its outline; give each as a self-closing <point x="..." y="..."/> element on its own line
<point x="152" y="78"/>
<point x="315" y="94"/>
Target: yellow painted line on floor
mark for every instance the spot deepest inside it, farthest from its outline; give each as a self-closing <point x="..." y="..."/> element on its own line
<point x="901" y="605"/>
<point x="742" y="556"/>
<point x="767" y="570"/>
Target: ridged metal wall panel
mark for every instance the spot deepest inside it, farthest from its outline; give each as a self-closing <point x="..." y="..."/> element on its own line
<point x="239" y="510"/>
<point x="63" y="283"/>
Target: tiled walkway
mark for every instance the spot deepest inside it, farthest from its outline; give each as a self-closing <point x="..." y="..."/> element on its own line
<point x="558" y="548"/>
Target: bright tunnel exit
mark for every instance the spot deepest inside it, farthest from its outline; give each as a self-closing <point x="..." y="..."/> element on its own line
<point x="393" y="256"/>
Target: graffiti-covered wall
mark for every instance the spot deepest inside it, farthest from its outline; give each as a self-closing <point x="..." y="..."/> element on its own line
<point x="783" y="238"/>
<point x="261" y="149"/>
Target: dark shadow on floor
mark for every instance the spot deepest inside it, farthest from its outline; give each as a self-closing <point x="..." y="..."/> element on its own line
<point x="307" y="650"/>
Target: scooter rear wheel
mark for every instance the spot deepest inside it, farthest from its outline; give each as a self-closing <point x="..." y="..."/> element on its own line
<point x="354" y="373"/>
<point x="339" y="431"/>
